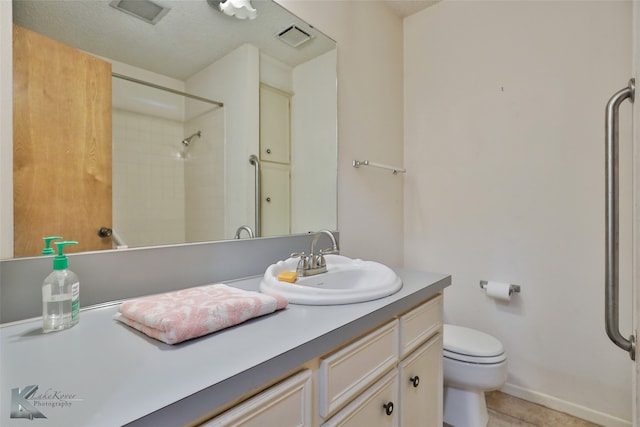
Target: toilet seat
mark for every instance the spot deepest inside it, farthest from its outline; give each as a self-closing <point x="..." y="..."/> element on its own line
<point x="472" y="346"/>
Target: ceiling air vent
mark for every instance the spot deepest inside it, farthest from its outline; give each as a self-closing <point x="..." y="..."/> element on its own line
<point x="294" y="36"/>
<point x="145" y="10"/>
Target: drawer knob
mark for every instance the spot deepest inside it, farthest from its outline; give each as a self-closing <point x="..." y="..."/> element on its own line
<point x="388" y="408"/>
<point x="415" y="381"/>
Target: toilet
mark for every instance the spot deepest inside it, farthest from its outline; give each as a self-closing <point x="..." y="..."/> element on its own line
<point x="474" y="362"/>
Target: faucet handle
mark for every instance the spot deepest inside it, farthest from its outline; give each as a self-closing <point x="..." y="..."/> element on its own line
<point x="303" y="264"/>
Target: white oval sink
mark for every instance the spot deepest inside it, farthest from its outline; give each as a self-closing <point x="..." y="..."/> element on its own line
<point x="346" y="281"/>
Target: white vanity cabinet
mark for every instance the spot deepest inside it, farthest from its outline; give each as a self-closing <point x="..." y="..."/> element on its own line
<point x="267" y="372"/>
<point x="390" y="377"/>
<point x="410" y="395"/>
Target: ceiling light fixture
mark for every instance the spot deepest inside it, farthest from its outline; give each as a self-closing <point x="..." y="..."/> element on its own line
<point x="241" y="9"/>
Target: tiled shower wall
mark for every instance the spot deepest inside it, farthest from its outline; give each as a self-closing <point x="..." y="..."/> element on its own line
<point x="164" y="192"/>
<point x="148" y="179"/>
<point x="204" y="178"/>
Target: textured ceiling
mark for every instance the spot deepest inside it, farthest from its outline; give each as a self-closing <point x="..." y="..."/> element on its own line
<point x="189" y="38"/>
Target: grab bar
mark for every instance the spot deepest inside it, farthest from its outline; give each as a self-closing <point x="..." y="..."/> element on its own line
<point x="245" y="228"/>
<point x="611" y="221"/>
<point x="253" y="159"/>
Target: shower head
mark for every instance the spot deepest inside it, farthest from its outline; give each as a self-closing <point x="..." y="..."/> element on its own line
<point x="188" y="139"/>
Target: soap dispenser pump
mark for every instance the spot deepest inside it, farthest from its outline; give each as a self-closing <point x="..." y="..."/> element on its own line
<point x="60" y="294"/>
<point x="48" y="250"/>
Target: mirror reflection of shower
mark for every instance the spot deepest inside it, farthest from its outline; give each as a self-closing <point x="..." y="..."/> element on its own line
<point x="160" y="197"/>
<point x="184" y="154"/>
<point x="188" y="139"/>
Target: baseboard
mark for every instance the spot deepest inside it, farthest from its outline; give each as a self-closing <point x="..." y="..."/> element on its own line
<point x="564" y="406"/>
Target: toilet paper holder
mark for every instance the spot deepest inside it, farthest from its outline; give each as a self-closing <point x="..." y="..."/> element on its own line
<point x="512" y="288"/>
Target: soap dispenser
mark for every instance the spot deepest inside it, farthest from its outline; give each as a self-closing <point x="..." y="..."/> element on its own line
<point x="60" y="294"/>
<point x="48" y="250"/>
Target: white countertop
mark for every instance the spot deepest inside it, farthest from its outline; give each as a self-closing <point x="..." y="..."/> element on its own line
<point x="103" y="373"/>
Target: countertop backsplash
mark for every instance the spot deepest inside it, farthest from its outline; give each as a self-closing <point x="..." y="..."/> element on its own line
<point x="121" y="274"/>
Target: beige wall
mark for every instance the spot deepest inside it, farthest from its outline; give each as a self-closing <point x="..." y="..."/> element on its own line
<point x="504" y="114"/>
<point x="370" y="201"/>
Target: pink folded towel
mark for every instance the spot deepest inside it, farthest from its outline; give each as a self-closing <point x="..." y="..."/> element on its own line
<point x="181" y="315"/>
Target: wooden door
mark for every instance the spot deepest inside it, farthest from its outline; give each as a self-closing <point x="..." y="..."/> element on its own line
<point x="61" y="146"/>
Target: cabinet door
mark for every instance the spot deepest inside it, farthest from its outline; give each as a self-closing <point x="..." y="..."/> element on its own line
<point x="376" y="407"/>
<point x="275" y="199"/>
<point x="287" y="404"/>
<point x="421" y="386"/>
<point x="275" y="125"/>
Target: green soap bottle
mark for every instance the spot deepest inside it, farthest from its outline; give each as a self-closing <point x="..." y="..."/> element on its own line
<point x="60" y="294"/>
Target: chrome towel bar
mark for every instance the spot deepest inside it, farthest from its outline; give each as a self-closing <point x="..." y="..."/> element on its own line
<point x="395" y="170"/>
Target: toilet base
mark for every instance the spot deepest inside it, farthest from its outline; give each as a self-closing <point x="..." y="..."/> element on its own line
<point x="465" y="408"/>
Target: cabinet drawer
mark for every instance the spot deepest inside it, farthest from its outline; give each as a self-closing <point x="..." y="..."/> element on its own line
<point x="286" y="404"/>
<point x="419" y="324"/>
<point x="346" y="373"/>
<point x="369" y="408"/>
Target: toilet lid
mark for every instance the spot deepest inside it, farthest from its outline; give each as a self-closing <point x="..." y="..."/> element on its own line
<point x="462" y="341"/>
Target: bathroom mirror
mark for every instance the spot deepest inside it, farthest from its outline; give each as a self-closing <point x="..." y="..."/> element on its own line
<point x="275" y="62"/>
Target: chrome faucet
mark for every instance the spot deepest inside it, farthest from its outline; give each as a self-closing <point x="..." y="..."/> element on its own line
<point x="334" y="244"/>
<point x="245" y="228"/>
<point x="314" y="263"/>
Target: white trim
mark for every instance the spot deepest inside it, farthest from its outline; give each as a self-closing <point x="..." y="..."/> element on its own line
<point x="6" y="130"/>
<point x="570" y="408"/>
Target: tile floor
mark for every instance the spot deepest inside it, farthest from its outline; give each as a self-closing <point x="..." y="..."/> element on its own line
<point x="509" y="411"/>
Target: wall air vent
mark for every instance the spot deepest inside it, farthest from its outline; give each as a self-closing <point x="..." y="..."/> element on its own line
<point x="294" y="36"/>
<point x="144" y="10"/>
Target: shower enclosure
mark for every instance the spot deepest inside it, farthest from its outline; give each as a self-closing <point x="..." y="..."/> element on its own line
<point x="168" y="165"/>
